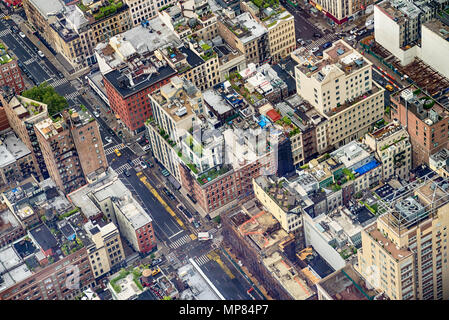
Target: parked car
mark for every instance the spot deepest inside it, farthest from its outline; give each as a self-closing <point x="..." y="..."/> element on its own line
<point x="21" y="34"/>
<point x="41" y="54"/>
<point x="389" y="87"/>
<point x="327" y="45"/>
<point x="108" y="139"/>
<point x="353" y="31"/>
<point x="155" y="262"/>
<point x="147" y="147"/>
<point x="196" y="224"/>
<point x="143" y="164"/>
<point x="96" y="114"/>
<point x="317" y="35"/>
<point x="350" y="38"/>
<point x="369" y="22"/>
<point x="127" y="173"/>
<point x="315" y="49"/>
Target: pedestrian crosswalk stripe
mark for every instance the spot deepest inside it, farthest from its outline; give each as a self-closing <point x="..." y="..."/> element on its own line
<point x="180" y="242"/>
<point x="31" y="60"/>
<point x="59" y="82"/>
<point x="5" y="32"/>
<point x="122" y="168"/>
<point x="111" y="150"/>
<point x="321" y="41"/>
<point x="202" y="260"/>
<point x="72" y="95"/>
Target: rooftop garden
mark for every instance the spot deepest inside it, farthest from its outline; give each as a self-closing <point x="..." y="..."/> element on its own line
<point x="46" y="94"/>
<point x="212" y="174"/>
<point x="4" y="56"/>
<point x="70" y="247"/>
<point x="108" y="10"/>
<point x="394" y="142"/>
<point x="166" y="7"/>
<point x="237" y="84"/>
<point x="209" y="54"/>
<point x="68" y="213"/>
<point x="288" y="126"/>
<point x="262" y="4"/>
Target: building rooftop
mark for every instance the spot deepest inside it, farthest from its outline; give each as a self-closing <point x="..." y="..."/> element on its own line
<point x="48" y="128"/>
<point x="439" y="27"/>
<point x="47" y="8"/>
<point x="8" y="221"/>
<point x="146" y="73"/>
<point x="15" y="146"/>
<point x="5" y="57"/>
<point x="178" y="98"/>
<point x="198" y="287"/>
<point x="287" y="276"/>
<point x="12" y="268"/>
<point x="352" y="154"/>
<point x="27" y="109"/>
<point x="44" y="237"/>
<point x="347" y="284"/>
<point x="245" y="27"/>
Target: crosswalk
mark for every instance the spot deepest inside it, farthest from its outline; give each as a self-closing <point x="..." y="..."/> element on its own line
<point x="180" y="242"/>
<point x="111" y="149"/>
<point x="5" y="32"/>
<point x="59" y="82"/>
<point x="72" y="95"/>
<point x="125" y="166"/>
<point x="30" y="60"/>
<point x="201" y="260"/>
<point x="319" y="42"/>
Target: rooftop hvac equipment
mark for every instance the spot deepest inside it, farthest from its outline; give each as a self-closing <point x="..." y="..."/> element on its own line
<point x="181" y="112"/>
<point x="407" y="94"/>
<point x="410" y="209"/>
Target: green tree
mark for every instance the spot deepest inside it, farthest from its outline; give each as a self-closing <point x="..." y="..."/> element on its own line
<point x="46" y="94"/>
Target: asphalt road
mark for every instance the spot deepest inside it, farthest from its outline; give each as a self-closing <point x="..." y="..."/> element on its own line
<point x="303" y="27"/>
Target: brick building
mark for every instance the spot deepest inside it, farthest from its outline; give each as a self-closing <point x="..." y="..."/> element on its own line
<point x="425" y="120"/>
<point x="9" y="71"/>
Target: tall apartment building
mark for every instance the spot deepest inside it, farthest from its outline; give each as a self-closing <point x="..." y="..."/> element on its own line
<point x="392" y="147"/>
<point x="426" y="122"/>
<point x="74" y="30"/>
<point x="23" y="114"/>
<point x="340" y="11"/>
<point x="47" y="264"/>
<point x="72" y="149"/>
<point x="280" y="198"/>
<point x="280" y="25"/>
<point x="310" y="138"/>
<point x="86" y="136"/>
<point x="106" y="250"/>
<point x="398" y="26"/>
<point x="340" y="87"/>
<point x="403" y="253"/>
<point x="109" y="197"/>
<point x="10" y="75"/>
<point x="172" y="120"/>
<point x="213" y="164"/>
<point x="247" y="35"/>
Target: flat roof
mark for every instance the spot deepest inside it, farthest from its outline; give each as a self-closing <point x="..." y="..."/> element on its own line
<point x="15" y="146"/>
<point x="48" y="8"/>
<point x="44" y="237"/>
<point x="144" y="80"/>
<point x="216" y="101"/>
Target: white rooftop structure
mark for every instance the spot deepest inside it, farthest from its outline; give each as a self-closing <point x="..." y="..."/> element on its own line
<point x="252" y="25"/>
<point x="6" y="158"/>
<point x="216" y="101"/>
<point x="15" y="146"/>
<point x="352" y="155"/>
<point x="12" y="268"/>
<point x="48" y="8"/>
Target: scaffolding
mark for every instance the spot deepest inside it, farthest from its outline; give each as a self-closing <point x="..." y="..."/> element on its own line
<point x="438" y="197"/>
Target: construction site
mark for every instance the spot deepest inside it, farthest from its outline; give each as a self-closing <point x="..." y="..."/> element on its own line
<point x="417" y="72"/>
<point x="268" y="252"/>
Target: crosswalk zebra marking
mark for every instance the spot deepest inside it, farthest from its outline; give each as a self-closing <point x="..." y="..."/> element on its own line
<point x="59" y="82"/>
<point x="5" y="32"/>
<point x="111" y="150"/>
<point x="72" y="95"/>
<point x="122" y="168"/>
<point x="180" y="242"/>
<point x="321" y="41"/>
<point x="202" y="260"/>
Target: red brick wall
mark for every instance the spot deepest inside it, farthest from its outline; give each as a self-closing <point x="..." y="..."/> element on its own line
<point x="145" y="238"/>
<point x="11" y="76"/>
